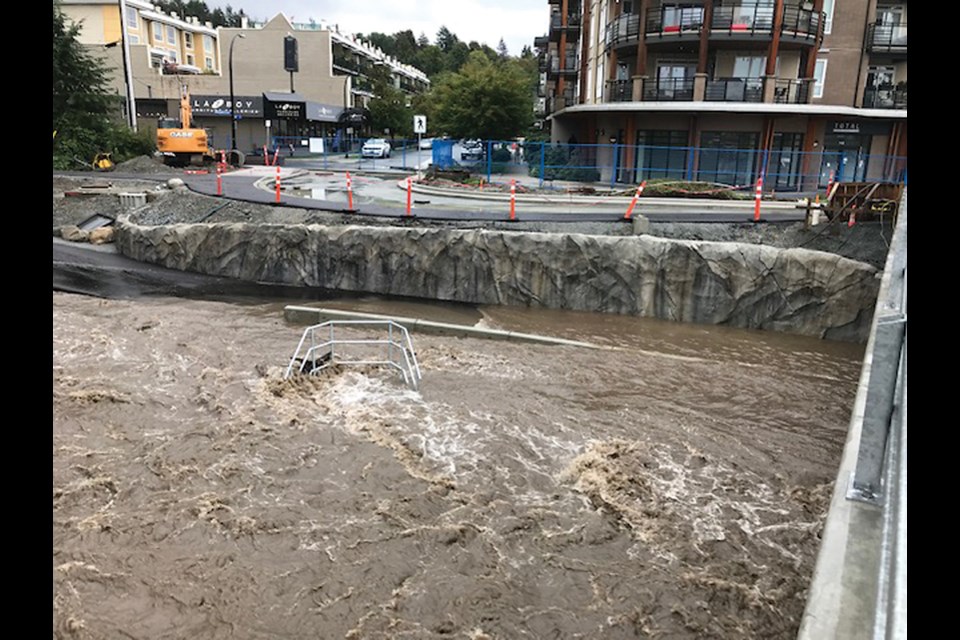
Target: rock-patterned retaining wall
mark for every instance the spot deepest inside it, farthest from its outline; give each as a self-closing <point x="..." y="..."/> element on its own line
<point x="743" y="285"/>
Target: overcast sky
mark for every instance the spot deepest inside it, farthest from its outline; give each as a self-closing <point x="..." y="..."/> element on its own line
<point x="518" y="22"/>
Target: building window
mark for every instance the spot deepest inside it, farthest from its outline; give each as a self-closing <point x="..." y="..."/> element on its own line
<point x="208" y="44"/>
<point x="661" y="154"/>
<point x="208" y="61"/>
<point x="133" y="39"/>
<point x="819" y="75"/>
<point x="828" y="11"/>
<point x="157" y="33"/>
<point x="171" y="35"/>
<point x="191" y="60"/>
<point x="188" y="40"/>
<point x="728" y="157"/>
<point x="131" y="18"/>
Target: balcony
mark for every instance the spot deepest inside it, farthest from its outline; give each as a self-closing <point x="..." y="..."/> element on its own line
<point x="791" y="91"/>
<point x="572" y="28"/>
<point x="622" y="31"/>
<point x="885" y="97"/>
<point x="618" y="91"/>
<point x="801" y="25"/>
<point x="674" y="23"/>
<point x="735" y="90"/>
<point x="887" y="38"/>
<point x="743" y="22"/>
<point x="668" y="90"/>
<point x="541" y="42"/>
<point x="569" y="68"/>
<point x="560" y="101"/>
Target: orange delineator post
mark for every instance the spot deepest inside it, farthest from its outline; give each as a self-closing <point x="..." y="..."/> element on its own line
<point x="829" y="184"/>
<point x="266" y="159"/>
<point x="219" y="180"/>
<point x="349" y="192"/>
<point x="633" y="203"/>
<point x="276" y="155"/>
<point x="278" y="184"/>
<point x="756" y="206"/>
<point x="409" y="194"/>
<point x="513" y="199"/>
<point x="852" y="219"/>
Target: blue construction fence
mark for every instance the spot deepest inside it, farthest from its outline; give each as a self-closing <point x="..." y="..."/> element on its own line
<point x="783" y="169"/>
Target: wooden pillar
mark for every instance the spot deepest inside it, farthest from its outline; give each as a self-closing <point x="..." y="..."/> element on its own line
<point x="766" y="143"/>
<point x="693" y="141"/>
<point x="562" y="49"/>
<point x="642" y="42"/>
<point x="774" y="47"/>
<point x="812" y="57"/>
<point x="705" y="36"/>
<point x="585" y="28"/>
<point x="628" y="159"/>
<point x="808" y="150"/>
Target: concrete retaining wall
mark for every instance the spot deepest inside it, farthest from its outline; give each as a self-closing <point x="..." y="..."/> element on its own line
<point x="743" y="285"/>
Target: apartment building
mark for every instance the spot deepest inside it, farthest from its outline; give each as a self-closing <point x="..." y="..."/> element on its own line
<point x="799" y="89"/>
<point x="181" y="44"/>
<point x="168" y="52"/>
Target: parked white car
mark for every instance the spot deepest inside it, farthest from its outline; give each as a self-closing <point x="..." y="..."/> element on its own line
<point x="375" y="148"/>
<point x="426" y="143"/>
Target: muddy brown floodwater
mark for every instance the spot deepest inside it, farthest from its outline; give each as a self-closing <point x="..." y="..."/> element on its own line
<point x="674" y="487"/>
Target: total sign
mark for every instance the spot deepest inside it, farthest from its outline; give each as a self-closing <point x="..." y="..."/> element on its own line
<point x="419" y="124"/>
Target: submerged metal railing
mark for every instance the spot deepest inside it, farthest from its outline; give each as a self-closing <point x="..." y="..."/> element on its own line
<point x="321" y="347"/>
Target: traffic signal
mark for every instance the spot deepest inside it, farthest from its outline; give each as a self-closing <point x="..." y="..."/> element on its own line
<point x="290" y="58"/>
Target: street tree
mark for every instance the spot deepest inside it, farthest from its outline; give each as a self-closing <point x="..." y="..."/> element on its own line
<point x="484" y="100"/>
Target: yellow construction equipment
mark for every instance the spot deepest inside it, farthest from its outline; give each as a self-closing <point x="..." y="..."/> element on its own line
<point x="103" y="162"/>
<point x="180" y="142"/>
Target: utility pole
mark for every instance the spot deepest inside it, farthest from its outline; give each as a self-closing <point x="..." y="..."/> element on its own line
<point x="127" y="72"/>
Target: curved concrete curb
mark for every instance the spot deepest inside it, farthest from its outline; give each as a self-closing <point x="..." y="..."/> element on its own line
<point x="696" y="203"/>
<point x="313" y="315"/>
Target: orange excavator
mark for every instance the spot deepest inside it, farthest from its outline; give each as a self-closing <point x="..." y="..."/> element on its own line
<point x="179" y="141"/>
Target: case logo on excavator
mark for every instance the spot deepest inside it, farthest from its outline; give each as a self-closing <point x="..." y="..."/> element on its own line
<point x="181" y="134"/>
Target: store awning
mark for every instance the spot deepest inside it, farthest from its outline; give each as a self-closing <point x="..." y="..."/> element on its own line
<point x="323" y="112"/>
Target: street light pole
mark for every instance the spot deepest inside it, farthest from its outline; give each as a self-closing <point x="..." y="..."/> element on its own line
<point x="127" y="71"/>
<point x="233" y="103"/>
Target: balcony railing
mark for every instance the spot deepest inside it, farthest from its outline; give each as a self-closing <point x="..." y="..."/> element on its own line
<point x="671" y="21"/>
<point x="623" y="30"/>
<point x="668" y="90"/>
<point x="572" y="27"/>
<point x="735" y="90"/>
<point x="801" y="23"/>
<point x="885" y="98"/>
<point x="791" y="92"/>
<point x="618" y="91"/>
<point x="570" y="66"/>
<point x="747" y="19"/>
<point x="887" y="38"/>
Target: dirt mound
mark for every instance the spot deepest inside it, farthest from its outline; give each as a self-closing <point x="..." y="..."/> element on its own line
<point x="145" y="164"/>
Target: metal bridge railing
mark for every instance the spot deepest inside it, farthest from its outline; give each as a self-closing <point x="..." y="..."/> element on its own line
<point x="859" y="589"/>
<point x="321" y="347"/>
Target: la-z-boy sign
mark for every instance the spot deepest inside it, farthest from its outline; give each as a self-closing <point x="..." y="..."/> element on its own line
<point x="286" y="110"/>
<point x="247" y="106"/>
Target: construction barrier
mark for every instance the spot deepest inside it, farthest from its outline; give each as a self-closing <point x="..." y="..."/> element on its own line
<point x="349" y="192"/>
<point x="758" y="197"/>
<point x="409" y="195"/>
<point x="633" y="203"/>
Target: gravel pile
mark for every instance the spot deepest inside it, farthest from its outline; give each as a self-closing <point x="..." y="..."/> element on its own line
<point x="146" y="164"/>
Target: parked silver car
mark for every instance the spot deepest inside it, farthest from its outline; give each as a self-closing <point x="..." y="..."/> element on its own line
<point x="375" y="148"/>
